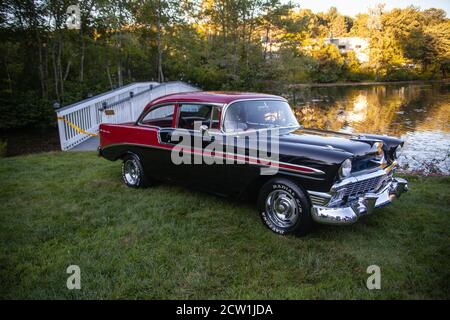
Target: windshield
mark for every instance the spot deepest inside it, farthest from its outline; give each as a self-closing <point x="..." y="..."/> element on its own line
<point x="260" y="114"/>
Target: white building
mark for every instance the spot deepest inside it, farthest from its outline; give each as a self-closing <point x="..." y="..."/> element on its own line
<point x="359" y="45"/>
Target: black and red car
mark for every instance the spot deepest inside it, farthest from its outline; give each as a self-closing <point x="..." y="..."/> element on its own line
<point x="321" y="176"/>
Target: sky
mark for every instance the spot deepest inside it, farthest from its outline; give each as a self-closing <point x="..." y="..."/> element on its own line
<point x="352" y="7"/>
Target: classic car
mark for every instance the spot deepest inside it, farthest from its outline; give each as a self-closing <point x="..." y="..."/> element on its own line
<point x="321" y="177"/>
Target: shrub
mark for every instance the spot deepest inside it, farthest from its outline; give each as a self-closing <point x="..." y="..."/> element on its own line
<point x="3" y="145"/>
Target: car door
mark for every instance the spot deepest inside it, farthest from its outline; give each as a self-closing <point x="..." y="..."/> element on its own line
<point x="159" y="121"/>
<point x="246" y="136"/>
<point x="199" y="173"/>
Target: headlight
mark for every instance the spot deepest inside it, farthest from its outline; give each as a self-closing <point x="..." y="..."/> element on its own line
<point x="346" y="168"/>
<point x="398" y="152"/>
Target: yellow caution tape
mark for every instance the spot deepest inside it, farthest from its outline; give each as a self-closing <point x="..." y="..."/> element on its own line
<point x="76" y="127"/>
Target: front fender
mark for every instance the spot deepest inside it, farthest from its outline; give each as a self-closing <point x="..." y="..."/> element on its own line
<point x="390" y="143"/>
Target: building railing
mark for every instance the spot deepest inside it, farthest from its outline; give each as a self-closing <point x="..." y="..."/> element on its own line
<point x="126" y="102"/>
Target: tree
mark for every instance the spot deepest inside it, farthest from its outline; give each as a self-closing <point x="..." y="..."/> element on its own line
<point x="360" y="27"/>
<point x="330" y="63"/>
<point x="338" y="26"/>
<point x="218" y="44"/>
<point x="439" y="42"/>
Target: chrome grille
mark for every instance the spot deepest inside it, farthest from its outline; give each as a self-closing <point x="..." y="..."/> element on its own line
<point x="363" y="186"/>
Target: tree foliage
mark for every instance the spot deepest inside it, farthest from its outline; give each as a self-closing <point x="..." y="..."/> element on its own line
<point x="217" y="44"/>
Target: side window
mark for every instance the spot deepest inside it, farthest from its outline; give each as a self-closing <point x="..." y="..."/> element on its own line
<point x="235" y="118"/>
<point x="215" y="118"/>
<point x="160" y="117"/>
<point x="191" y="113"/>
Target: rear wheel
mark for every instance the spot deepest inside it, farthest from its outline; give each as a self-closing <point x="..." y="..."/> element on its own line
<point x="133" y="172"/>
<point x="284" y="207"/>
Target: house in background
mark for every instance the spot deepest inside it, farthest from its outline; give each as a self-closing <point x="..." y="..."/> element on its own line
<point x="345" y="44"/>
<point x="271" y="44"/>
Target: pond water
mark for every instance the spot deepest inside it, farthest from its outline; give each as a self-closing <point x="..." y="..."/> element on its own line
<point x="418" y="113"/>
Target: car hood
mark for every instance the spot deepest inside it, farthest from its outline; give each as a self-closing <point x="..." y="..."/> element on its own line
<point x="354" y="144"/>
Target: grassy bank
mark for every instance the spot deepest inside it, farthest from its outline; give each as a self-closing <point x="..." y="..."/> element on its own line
<point x="59" y="209"/>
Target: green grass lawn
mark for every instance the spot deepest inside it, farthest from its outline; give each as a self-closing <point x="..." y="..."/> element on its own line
<point x="59" y="209"/>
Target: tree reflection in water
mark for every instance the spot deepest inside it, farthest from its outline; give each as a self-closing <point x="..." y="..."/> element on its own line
<point x="419" y="113"/>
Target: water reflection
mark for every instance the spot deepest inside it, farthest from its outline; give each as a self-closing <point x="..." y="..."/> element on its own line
<point x="420" y="114"/>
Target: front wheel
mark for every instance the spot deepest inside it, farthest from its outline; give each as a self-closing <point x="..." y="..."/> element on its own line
<point x="284" y="207"/>
<point x="133" y="172"/>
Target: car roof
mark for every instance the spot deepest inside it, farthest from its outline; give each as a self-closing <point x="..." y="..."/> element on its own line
<point x="224" y="97"/>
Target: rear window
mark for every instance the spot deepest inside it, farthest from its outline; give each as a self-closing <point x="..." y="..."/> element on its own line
<point x="160" y="116"/>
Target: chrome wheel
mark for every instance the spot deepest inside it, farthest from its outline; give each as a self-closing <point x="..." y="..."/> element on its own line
<point x="131" y="172"/>
<point x="282" y="209"/>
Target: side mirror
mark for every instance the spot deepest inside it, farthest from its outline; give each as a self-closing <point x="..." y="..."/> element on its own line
<point x="204" y="130"/>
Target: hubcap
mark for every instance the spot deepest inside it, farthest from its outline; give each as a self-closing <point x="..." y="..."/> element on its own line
<point x="281" y="209"/>
<point x="131" y="172"/>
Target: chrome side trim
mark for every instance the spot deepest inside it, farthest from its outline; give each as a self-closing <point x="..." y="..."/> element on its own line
<point x="169" y="148"/>
<point x="297" y="174"/>
<point x="112" y="145"/>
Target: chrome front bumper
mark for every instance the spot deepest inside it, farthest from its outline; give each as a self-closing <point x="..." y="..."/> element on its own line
<point x="361" y="206"/>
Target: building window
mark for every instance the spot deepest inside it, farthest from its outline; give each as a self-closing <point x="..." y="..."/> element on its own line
<point x="341" y="47"/>
<point x="358" y="46"/>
